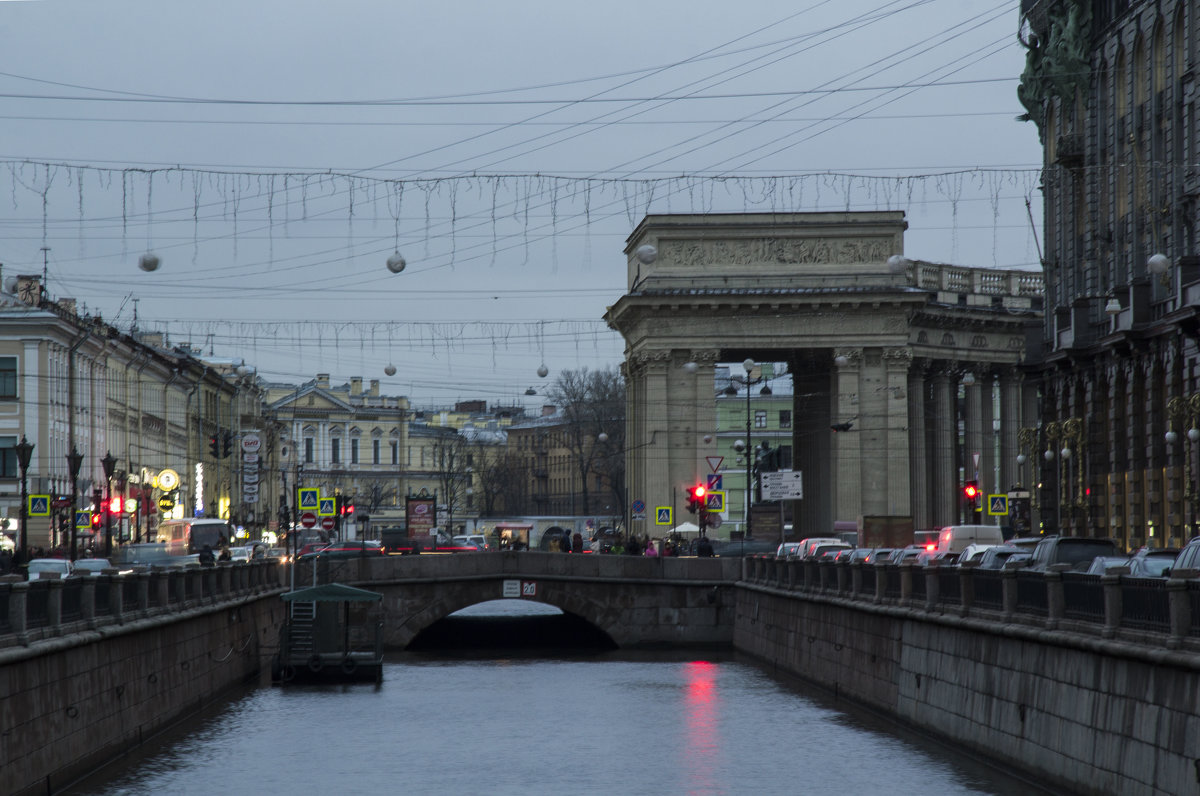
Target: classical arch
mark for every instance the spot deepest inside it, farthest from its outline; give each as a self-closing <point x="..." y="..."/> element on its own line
<point x="911" y="349"/>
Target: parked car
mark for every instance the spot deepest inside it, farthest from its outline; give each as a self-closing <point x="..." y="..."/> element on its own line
<point x="807" y="545"/>
<point x="787" y="550"/>
<point x="92" y="566"/>
<point x="973" y="552"/>
<point x="1101" y="564"/>
<point x="830" y="550"/>
<point x="1026" y="543"/>
<point x="996" y="556"/>
<point x="904" y="554"/>
<point x="47" y="568"/>
<point x="1189" y="555"/>
<point x="1075" y="551"/>
<point x="880" y="555"/>
<point x="479" y="540"/>
<point x="346" y="549"/>
<point x="852" y="555"/>
<point x="940" y="558"/>
<point x="1151" y="566"/>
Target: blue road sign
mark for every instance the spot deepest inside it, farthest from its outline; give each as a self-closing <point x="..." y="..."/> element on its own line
<point x="308" y="498"/>
<point x="662" y="515"/>
<point x="83" y="519"/>
<point x="714" y="481"/>
<point x="638" y="506"/>
<point x="327" y="507"/>
<point x="39" y="505"/>
<point x="997" y="505"/>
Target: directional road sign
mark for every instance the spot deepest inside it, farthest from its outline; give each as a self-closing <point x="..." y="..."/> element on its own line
<point x="783" y="485"/>
<point x="714" y="481"/>
<point x="662" y="515"/>
<point x="997" y="505"/>
<point x="39" y="505"/>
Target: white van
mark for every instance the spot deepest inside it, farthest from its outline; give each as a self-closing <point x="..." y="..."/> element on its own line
<point x="807" y="546"/>
<point x="954" y="538"/>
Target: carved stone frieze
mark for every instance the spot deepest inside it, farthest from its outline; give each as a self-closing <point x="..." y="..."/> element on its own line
<point x="779" y="251"/>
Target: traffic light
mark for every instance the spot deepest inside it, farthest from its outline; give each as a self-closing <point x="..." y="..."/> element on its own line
<point x="696" y="498"/>
<point x="350" y="506"/>
<point x="226" y="444"/>
<point x="95" y="520"/>
<point x="971" y="493"/>
<point x="214" y="446"/>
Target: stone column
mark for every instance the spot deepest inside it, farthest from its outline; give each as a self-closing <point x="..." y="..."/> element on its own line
<point x="918" y="449"/>
<point x="945" y="433"/>
<point x="847" y="454"/>
<point x="975" y="462"/>
<point x="898" y="489"/>
<point x="1010" y="425"/>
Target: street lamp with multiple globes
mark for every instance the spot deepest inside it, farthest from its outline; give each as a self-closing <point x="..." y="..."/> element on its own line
<point x="109" y="463"/>
<point x="24" y="450"/>
<point x="74" y="462"/>
<point x="745" y="446"/>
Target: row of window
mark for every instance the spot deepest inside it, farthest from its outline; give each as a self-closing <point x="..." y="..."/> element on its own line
<point x="335" y="451"/>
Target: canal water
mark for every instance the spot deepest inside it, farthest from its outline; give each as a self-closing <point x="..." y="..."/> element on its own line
<point x="533" y="721"/>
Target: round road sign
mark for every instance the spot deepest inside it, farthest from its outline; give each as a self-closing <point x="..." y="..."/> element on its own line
<point x="327" y="523"/>
<point x="308" y="519"/>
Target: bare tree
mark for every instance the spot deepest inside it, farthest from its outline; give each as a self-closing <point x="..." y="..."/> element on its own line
<point x="450" y="462"/>
<point x="502" y="482"/>
<point x="592" y="403"/>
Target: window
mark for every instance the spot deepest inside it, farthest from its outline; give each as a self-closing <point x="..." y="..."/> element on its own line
<point x="785" y="418"/>
<point x="8" y="458"/>
<point x="354" y="451"/>
<point x="8" y="377"/>
<point x="375" y="451"/>
<point x="395" y="453"/>
<point x="760" y="418"/>
<point x="335" y="450"/>
<point x="308" y="450"/>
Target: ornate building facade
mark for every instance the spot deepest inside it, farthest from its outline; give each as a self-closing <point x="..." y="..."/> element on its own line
<point x="1111" y="87"/>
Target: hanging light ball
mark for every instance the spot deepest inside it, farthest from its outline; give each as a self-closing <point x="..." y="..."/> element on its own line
<point x="646" y="254"/>
<point x="396" y="263"/>
<point x="1194" y="434"/>
<point x="602" y="436"/>
<point x="1022" y="458"/>
<point x="543" y="371"/>
<point x="708" y="438"/>
<point x="1171" y="437"/>
<point x="841" y="360"/>
<point x="390" y="369"/>
<point x="148" y="262"/>
<point x="739" y="445"/>
<point x="690" y="367"/>
<point x="1066" y="453"/>
<point x="1158" y="264"/>
<point x="1049" y="455"/>
<point x="897" y="264"/>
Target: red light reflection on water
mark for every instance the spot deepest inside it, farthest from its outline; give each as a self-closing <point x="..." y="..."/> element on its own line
<point x="703" y="743"/>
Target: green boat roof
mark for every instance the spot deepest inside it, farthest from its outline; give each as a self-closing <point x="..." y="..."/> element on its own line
<point x="332" y="593"/>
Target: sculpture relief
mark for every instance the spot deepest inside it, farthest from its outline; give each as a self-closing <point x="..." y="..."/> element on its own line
<point x="779" y="251"/>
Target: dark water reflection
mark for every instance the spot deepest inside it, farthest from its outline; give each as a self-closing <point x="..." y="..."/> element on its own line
<point x="602" y="723"/>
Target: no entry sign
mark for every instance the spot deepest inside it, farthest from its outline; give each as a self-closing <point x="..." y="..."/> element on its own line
<point x="308" y="519"/>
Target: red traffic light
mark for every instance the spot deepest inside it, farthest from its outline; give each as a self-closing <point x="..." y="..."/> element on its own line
<point x="115" y="506"/>
<point x="971" y="490"/>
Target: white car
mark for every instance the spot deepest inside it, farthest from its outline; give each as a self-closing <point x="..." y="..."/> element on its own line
<point x="47" y="568"/>
<point x="91" y="566"/>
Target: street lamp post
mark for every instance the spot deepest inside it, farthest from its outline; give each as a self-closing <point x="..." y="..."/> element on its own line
<point x="746" y="447"/>
<point x="109" y="463"/>
<point x="74" y="461"/>
<point x="24" y="450"/>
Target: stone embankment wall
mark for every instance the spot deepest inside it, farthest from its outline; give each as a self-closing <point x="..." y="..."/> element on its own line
<point x="96" y="688"/>
<point x="1082" y="712"/>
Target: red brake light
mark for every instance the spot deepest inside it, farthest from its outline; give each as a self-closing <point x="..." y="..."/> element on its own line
<point x="931" y="547"/>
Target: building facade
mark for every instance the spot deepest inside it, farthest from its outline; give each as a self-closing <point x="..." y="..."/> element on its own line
<point x="1110" y="87"/>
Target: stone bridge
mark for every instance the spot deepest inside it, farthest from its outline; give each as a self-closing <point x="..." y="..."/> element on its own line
<point x="637" y="602"/>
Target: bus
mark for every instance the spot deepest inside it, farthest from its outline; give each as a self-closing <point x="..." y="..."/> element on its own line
<point x="188" y="537"/>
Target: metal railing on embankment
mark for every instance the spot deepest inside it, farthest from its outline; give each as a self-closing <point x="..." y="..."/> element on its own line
<point x="1162" y="612"/>
<point x="49" y="608"/>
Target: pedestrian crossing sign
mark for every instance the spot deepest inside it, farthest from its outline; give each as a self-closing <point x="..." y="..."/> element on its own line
<point x="39" y="505"/>
<point x="662" y="515"/>
<point x="714" y="501"/>
<point x="327" y="507"/>
<point x="83" y="519"/>
<point x="308" y="498"/>
<point x="997" y="505"/>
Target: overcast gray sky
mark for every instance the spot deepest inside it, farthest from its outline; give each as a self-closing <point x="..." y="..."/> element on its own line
<point x="274" y="154"/>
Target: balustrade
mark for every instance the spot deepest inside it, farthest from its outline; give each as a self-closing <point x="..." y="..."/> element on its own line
<point x="39" y="609"/>
<point x="1105" y="605"/>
